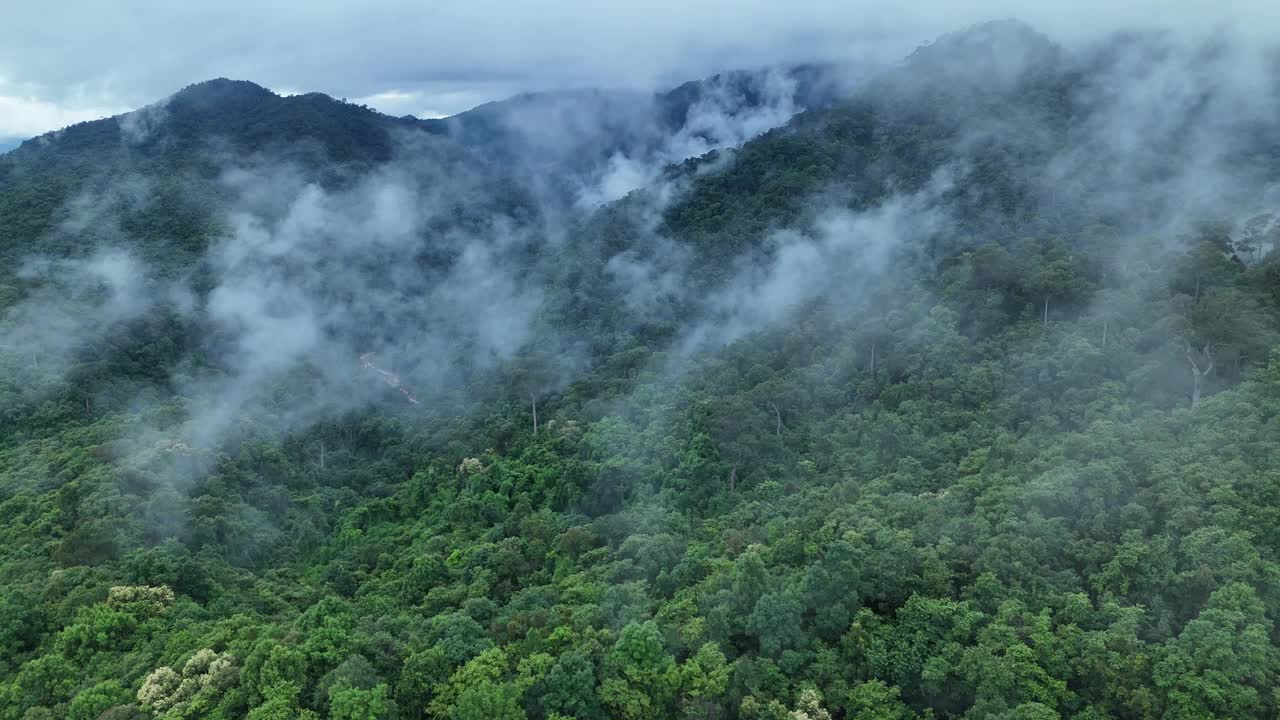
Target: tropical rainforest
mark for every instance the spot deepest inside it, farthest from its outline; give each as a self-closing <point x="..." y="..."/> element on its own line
<point x="943" y="390"/>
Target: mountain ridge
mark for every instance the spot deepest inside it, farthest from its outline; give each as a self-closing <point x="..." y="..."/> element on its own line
<point x="953" y="398"/>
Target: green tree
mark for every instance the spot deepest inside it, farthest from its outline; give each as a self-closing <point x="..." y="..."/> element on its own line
<point x="775" y="621"/>
<point x="352" y="703"/>
<point x="1222" y="664"/>
<point x="570" y="688"/>
<point x="92" y="702"/>
<point x="422" y="674"/>
<point x="704" y="678"/>
<point x="640" y="678"/>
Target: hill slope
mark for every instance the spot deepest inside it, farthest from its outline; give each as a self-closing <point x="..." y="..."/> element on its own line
<point x="955" y="397"/>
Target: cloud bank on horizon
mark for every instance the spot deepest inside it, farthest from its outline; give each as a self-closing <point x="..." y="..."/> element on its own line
<point x="403" y="57"/>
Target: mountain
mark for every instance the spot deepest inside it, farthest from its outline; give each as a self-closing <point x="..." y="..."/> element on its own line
<point x="587" y="135"/>
<point x="629" y="120"/>
<point x="182" y="150"/>
<point x="569" y="147"/>
<point x="948" y="390"/>
<point x="249" y="115"/>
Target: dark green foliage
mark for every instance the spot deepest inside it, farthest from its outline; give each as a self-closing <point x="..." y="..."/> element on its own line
<point x="978" y="490"/>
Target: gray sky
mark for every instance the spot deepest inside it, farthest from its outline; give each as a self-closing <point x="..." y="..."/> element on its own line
<point x="71" y="60"/>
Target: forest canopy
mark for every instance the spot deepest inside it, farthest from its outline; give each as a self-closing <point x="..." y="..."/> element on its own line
<point x="950" y="393"/>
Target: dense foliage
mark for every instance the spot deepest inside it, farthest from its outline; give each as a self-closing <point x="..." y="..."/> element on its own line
<point x="1002" y="484"/>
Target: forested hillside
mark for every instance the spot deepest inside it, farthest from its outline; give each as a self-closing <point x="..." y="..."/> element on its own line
<point x="948" y="392"/>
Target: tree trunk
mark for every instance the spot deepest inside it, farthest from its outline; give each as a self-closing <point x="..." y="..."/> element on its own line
<point x="1046" y="309"/>
<point x="1104" y="332"/>
<point x="873" y="358"/>
<point x="534" y="401"/>
<point x="777" y="413"/>
<point x="1198" y="374"/>
<point x="321" y="454"/>
<point x="733" y="477"/>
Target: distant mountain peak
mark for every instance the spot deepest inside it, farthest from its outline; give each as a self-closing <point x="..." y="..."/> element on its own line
<point x="996" y="55"/>
<point x="223" y="86"/>
<point x="996" y="35"/>
<point x="220" y="92"/>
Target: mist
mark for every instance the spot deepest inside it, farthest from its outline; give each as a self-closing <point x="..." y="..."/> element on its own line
<point x="309" y="278"/>
<point x="750" y="363"/>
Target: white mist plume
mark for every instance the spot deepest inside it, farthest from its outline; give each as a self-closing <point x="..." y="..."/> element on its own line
<point x="720" y="118"/>
<point x="317" y="279"/>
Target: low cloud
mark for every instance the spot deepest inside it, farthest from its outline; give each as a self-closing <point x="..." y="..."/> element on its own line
<point x="75" y="308"/>
<point x="25" y="113"/>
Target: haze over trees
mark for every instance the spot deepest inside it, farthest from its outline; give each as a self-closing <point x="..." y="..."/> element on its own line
<point x="944" y="391"/>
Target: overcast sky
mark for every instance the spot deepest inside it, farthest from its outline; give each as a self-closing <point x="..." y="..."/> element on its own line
<point x="70" y="60"/>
